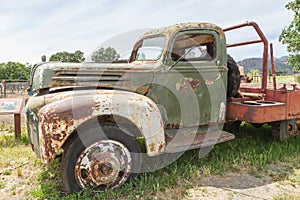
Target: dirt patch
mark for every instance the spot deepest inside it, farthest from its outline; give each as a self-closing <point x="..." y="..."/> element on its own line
<point x="242" y="186"/>
<point x="17" y="183"/>
<point x="19" y="169"/>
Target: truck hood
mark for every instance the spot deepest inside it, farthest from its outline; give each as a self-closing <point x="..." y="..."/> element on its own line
<point x="135" y="76"/>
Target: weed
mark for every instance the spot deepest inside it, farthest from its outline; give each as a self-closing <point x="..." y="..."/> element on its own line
<point x="7" y="172"/>
<point x="2" y="184"/>
<point x="49" y="181"/>
<point x="19" y="172"/>
<point x="286" y="196"/>
<point x="295" y="177"/>
<point x="9" y="140"/>
<point x="204" y="190"/>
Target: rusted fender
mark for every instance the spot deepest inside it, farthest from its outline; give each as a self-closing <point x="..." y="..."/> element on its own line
<point x="57" y="120"/>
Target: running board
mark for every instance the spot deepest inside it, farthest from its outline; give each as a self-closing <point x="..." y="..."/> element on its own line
<point x="180" y="143"/>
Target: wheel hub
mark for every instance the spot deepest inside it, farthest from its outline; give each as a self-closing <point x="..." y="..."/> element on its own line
<point x="104" y="164"/>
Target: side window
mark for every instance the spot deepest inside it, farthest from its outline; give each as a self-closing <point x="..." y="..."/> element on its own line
<point x="194" y="47"/>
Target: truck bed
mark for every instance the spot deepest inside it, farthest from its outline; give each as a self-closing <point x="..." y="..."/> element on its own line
<point x="272" y="105"/>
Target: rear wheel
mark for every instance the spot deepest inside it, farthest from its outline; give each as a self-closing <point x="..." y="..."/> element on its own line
<point x="100" y="158"/>
<point x="282" y="130"/>
<point x="232" y="126"/>
<point x="233" y="80"/>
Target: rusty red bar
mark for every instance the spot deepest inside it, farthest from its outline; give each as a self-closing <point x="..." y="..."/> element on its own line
<point x="265" y="51"/>
<point x="243" y="43"/>
<point x="273" y="66"/>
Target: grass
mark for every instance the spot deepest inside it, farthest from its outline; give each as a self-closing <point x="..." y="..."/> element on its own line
<point x="11" y="148"/>
<point x="252" y="152"/>
<point x="285" y="79"/>
<point x="280" y="79"/>
<point x="16" y="163"/>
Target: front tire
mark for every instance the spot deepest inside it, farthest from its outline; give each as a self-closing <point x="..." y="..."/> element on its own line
<point x="100" y="158"/>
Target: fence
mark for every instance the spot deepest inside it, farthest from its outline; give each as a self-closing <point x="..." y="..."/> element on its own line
<point x="13" y="87"/>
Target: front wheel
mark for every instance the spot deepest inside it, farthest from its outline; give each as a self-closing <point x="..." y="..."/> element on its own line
<point x="100" y="158"/>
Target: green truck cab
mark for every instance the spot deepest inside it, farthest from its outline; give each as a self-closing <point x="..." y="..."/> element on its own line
<point x="108" y="118"/>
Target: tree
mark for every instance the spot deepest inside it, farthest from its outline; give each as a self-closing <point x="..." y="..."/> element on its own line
<point x="291" y="35"/>
<point x="64" y="56"/>
<point x="14" y="71"/>
<point x="108" y="54"/>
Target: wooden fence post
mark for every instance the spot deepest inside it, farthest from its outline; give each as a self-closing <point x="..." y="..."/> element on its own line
<point x="4" y="88"/>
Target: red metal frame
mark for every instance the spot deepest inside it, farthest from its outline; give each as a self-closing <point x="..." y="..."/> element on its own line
<point x="264" y="40"/>
<point x="264" y="104"/>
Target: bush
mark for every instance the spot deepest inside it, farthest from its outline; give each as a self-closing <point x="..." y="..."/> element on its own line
<point x="298" y="78"/>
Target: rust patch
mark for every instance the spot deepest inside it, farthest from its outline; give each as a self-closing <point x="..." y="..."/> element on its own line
<point x="294" y="114"/>
<point x="173" y="126"/>
<point x="187" y="83"/>
<point x="161" y="148"/>
<point x="58" y="119"/>
<point x="152" y="147"/>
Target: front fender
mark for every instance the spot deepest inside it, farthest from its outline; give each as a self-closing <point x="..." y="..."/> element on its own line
<point x="59" y="119"/>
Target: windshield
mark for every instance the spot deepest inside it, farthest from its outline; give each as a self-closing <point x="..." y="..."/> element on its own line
<point x="151" y="48"/>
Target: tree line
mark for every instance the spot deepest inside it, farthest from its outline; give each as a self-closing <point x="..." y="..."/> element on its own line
<point x="108" y="54"/>
<point x="17" y="71"/>
<point x="14" y="71"/>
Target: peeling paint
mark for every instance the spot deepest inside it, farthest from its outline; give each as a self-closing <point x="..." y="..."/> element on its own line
<point x="57" y="120"/>
<point x="222" y="113"/>
<point x="187" y="83"/>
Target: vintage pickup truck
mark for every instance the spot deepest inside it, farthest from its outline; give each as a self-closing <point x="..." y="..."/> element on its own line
<point x="174" y="93"/>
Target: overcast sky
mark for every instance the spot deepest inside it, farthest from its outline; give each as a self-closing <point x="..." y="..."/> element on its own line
<point x="30" y="29"/>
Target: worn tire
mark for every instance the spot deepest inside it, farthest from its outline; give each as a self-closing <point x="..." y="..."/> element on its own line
<point x="233" y="80"/>
<point x="232" y="127"/>
<point x="282" y="130"/>
<point x="86" y="147"/>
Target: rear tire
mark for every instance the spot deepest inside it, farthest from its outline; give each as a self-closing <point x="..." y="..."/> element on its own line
<point x="100" y="158"/>
<point x="233" y="80"/>
<point x="282" y="130"/>
<point x="233" y="126"/>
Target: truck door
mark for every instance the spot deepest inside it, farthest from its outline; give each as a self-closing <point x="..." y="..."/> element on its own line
<point x="193" y="91"/>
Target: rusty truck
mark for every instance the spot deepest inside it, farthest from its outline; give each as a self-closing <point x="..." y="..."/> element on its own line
<point x="175" y="93"/>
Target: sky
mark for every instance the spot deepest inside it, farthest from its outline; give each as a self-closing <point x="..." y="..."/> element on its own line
<point x="30" y="29"/>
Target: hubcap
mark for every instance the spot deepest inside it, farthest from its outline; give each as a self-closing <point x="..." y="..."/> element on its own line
<point x="104" y="164"/>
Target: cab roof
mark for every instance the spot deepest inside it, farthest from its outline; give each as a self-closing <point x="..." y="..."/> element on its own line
<point x="170" y="30"/>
